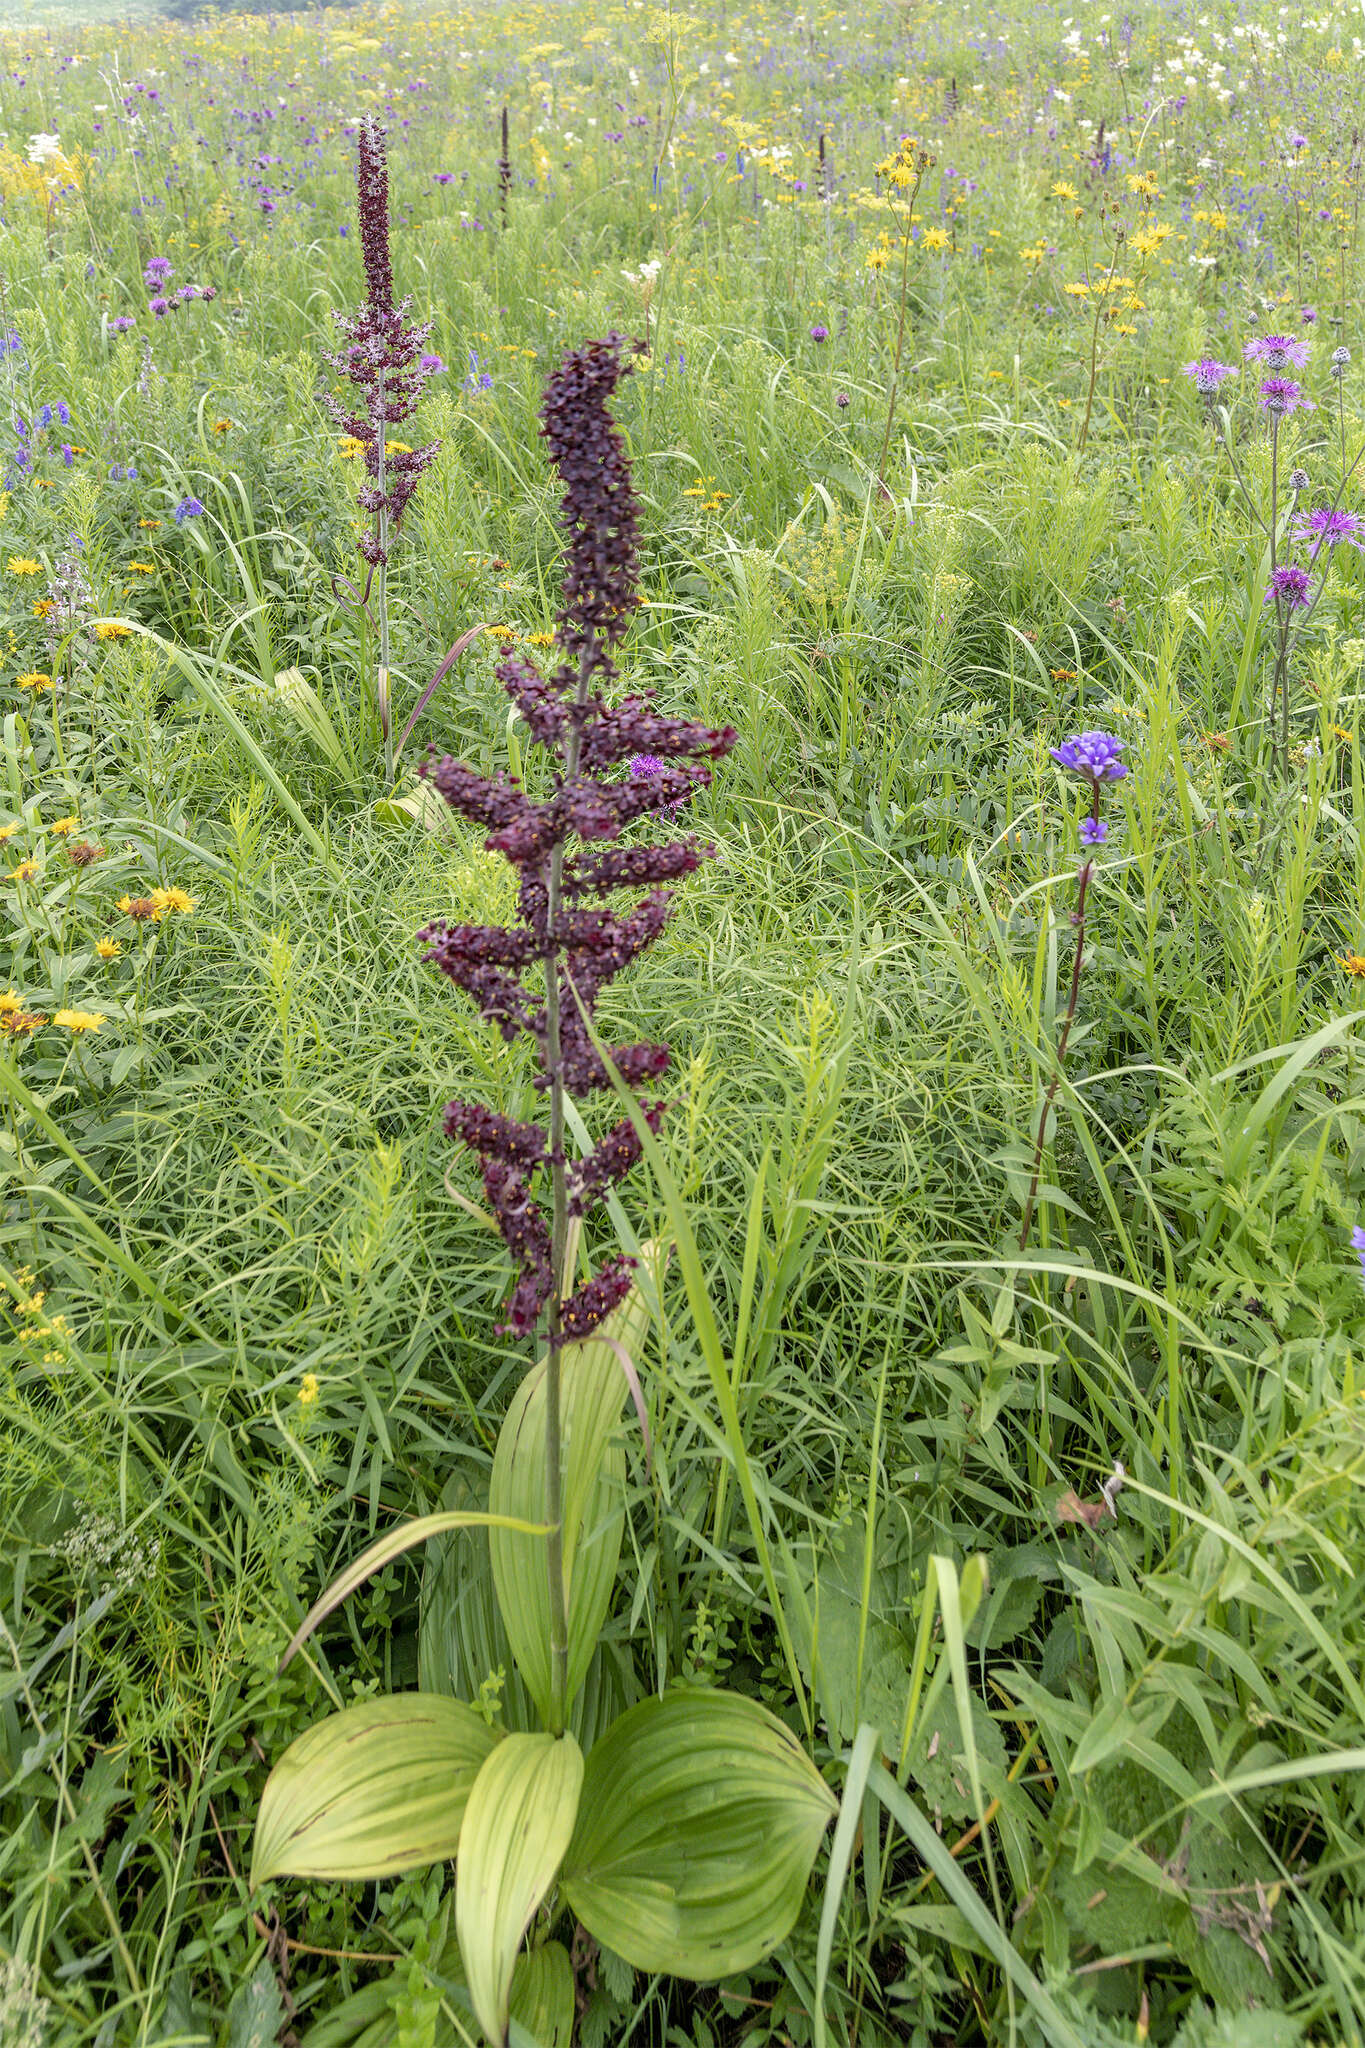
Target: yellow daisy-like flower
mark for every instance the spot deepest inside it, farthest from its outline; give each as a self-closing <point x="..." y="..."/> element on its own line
<point x="25" y="871"/>
<point x="24" y="565"/>
<point x="8" y="831"/>
<point x="877" y="259"/>
<point x="108" y="949"/>
<point x="935" y="238"/>
<point x="9" y="1003"/>
<point x="79" y="1020"/>
<point x="397" y="448"/>
<point x="540" y="639"/>
<point x="1354" y="963"/>
<point x="141" y="909"/>
<point x="348" y="447"/>
<point x="308" y="1389"/>
<point x="61" y="826"/>
<point x="149" y="525"/>
<point x="164" y="900"/>
<point x="111" y="629"/>
<point x="43" y="607"/>
<point x="1062" y="190"/>
<point x="222" y="426"/>
<point x="142" y="568"/>
<point x="33" y="679"/>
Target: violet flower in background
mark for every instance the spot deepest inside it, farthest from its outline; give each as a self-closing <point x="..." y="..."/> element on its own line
<point x="1358" y="1246"/>
<point x="1281" y="395"/>
<point x="563" y="846"/>
<point x="1092" y="754"/>
<point x="1329" y="525"/>
<point x="1278" y="352"/>
<point x="1208" y="373"/>
<point x="1290" y="586"/>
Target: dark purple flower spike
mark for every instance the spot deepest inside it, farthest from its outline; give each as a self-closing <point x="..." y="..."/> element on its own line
<point x="382" y="356"/>
<point x="564" y="847"/>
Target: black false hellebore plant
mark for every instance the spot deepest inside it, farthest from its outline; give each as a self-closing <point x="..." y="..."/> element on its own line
<point x="383" y="356"/>
<point x="684" y="1839"/>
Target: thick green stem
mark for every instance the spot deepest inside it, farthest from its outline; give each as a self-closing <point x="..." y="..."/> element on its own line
<point x="559" y="1241"/>
<point x="1078" y="919"/>
<point x="382" y="600"/>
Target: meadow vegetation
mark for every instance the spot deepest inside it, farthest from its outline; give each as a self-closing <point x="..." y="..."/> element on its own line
<point x="997" y="1339"/>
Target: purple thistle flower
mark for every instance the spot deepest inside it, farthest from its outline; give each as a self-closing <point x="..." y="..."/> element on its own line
<point x="819" y="332"/>
<point x="1278" y="352"/>
<point x="1208" y="373"/>
<point x="1092" y="754"/>
<point x="432" y="364"/>
<point x="567" y="933"/>
<point x="1328" y="526"/>
<point x="159" y="306"/>
<point x="121" y="325"/>
<point x="1281" y="395"/>
<point x="1288" y="586"/>
<point x="158" y="268"/>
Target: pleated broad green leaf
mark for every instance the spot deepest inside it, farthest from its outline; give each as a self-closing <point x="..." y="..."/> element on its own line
<point x="593" y="1392"/>
<point x="543" y="1995"/>
<point x="518" y="1824"/>
<point x="698" y="1825"/>
<point x="375" y="1789"/>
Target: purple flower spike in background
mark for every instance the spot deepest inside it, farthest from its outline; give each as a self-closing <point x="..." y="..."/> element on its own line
<point x="1329" y="525"/>
<point x="1289" y="585"/>
<point x="1278" y="352"/>
<point x="1208" y="373"/>
<point x="188" y="508"/>
<point x="1092" y="754"/>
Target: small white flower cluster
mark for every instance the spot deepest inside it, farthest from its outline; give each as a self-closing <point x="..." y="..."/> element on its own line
<point x="23" y="2009"/>
<point x="120" y="1557"/>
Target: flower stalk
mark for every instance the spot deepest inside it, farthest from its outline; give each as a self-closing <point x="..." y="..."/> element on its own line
<point x="1095" y="756"/>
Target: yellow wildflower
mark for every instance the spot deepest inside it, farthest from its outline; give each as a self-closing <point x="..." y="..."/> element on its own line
<point x="24" y="565"/>
<point x="164" y="900"/>
<point x="108" y="949"/>
<point x="935" y="238"/>
<point x="348" y="447"/>
<point x="33" y="679"/>
<point x="111" y="629"/>
<point x="61" y="826"/>
<point x="149" y="525"/>
<point x="222" y="426"/>
<point x="308" y="1389"/>
<point x="9" y="1003"/>
<point x="1062" y="190"/>
<point x="25" y="871"/>
<point x="79" y="1020"/>
<point x="142" y="568"/>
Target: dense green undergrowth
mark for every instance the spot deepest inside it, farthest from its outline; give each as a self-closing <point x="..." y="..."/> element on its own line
<point x="251" y="1321"/>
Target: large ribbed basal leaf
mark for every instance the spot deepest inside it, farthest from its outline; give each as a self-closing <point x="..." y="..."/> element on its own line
<point x="517" y="1826"/>
<point x="543" y="1995"/>
<point x="593" y="1392"/>
<point x="698" y="1824"/>
<point x="375" y="1789"/>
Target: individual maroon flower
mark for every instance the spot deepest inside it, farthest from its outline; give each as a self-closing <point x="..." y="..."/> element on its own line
<point x="542" y="977"/>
